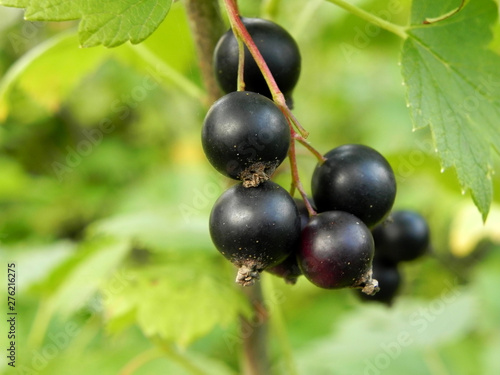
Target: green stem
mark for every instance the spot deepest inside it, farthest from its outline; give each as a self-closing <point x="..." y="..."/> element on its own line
<point x="40" y="324"/>
<point x="306" y="16"/>
<point x="367" y="16"/>
<point x="241" y="66"/>
<point x="434" y="362"/>
<point x="241" y="32"/>
<point x="206" y="27"/>
<point x="22" y="64"/>
<point x="296" y="183"/>
<point x="429" y="21"/>
<point x="255" y="359"/>
<point x="140" y="360"/>
<point x="321" y="159"/>
<point x="168" y="72"/>
<point x="172" y="353"/>
<point x="279" y="326"/>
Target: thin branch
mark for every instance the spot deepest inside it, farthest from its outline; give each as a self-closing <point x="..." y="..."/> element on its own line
<point x="316" y="153"/>
<point x="367" y="16"/>
<point x="241" y="33"/>
<point x="241" y="66"/>
<point x="168" y="72"/>
<point x="140" y="360"/>
<point x="255" y="359"/>
<point x="278" y="325"/>
<point x="429" y="21"/>
<point x="174" y="355"/>
<point x="296" y="183"/>
<point x="206" y="25"/>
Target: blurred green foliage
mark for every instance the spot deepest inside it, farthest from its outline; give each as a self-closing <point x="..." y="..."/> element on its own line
<point x="105" y="195"/>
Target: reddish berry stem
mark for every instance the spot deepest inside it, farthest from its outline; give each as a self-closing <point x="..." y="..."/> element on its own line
<point x="244" y="38"/>
<point x="296" y="183"/>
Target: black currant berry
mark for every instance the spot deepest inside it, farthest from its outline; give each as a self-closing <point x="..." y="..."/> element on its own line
<point x="255" y="228"/>
<point x="337" y="251"/>
<point x="304" y="214"/>
<point x="245" y="136"/>
<point x="389" y="281"/>
<point x="404" y="236"/>
<point x="289" y="269"/>
<point x="356" y="179"/>
<point x="278" y="48"/>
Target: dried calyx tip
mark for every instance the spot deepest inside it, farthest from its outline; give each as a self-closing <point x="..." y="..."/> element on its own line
<point x="257" y="173"/>
<point x="371" y="288"/>
<point x="368" y="284"/>
<point x="247" y="275"/>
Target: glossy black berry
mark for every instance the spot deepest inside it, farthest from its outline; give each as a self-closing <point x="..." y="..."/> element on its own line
<point x="304" y="214"/>
<point x="245" y="136"/>
<point x="289" y="269"/>
<point x="255" y="228"/>
<point x="337" y="251"/>
<point x="356" y="179"/>
<point x="389" y="282"/>
<point x="278" y="48"/>
<point x="404" y="236"/>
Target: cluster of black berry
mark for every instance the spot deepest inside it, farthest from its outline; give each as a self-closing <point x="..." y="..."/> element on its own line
<point x="256" y="224"/>
<point x="403" y="237"/>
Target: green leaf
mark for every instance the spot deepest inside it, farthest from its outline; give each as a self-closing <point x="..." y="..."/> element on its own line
<point x="72" y="284"/>
<point x="120" y="21"/>
<point x="37" y="262"/>
<point x="15" y="3"/>
<point x="453" y="86"/>
<point x="159" y="230"/>
<point x="29" y="73"/>
<point x="178" y="302"/>
<point x="109" y="23"/>
<point x="51" y="10"/>
<point x="392" y="341"/>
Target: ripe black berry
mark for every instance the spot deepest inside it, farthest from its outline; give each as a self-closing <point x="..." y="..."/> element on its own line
<point x="404" y="236"/>
<point x="304" y="214"/>
<point x="278" y="48"/>
<point x="245" y="136"/>
<point x="289" y="269"/>
<point x="337" y="251"/>
<point x="389" y="281"/>
<point x="356" y="179"/>
<point x="255" y="228"/>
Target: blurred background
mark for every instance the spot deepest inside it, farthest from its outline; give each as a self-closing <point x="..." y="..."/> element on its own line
<point x="105" y="195"/>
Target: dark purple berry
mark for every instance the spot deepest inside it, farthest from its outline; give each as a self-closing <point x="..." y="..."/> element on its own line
<point x="278" y="48"/>
<point x="289" y="269"/>
<point x="245" y="136"/>
<point x="337" y="251"/>
<point x="389" y="282"/>
<point x="304" y="214"/>
<point x="356" y="179"/>
<point x="404" y="236"/>
<point x="255" y="228"/>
